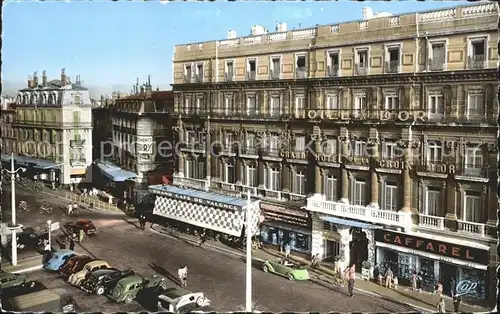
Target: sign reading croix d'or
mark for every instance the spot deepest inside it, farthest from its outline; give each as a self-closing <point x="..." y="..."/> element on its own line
<point x="461" y="252"/>
<point x="198" y="200"/>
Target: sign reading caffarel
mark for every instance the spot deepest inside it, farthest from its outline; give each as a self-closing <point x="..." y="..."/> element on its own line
<point x="199" y="200"/>
<point x="461" y="252"/>
<point x="287" y="215"/>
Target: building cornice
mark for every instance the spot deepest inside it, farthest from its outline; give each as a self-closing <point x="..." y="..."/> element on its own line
<point x="382" y="79"/>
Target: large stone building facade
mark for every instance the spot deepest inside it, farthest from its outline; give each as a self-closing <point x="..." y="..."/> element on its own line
<point x="383" y="130"/>
<point x="52" y="130"/>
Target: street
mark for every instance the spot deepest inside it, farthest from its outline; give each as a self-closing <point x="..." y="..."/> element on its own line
<point x="220" y="276"/>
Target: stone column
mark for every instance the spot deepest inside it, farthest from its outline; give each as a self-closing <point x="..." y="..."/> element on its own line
<point x="181" y="155"/>
<point x="317" y="169"/>
<point x="344" y="197"/>
<point x="451" y="205"/>
<point x="285" y="177"/>
<point x="370" y="236"/>
<point x="344" y="242"/>
<point x="261" y="169"/>
<point x="375" y="189"/>
<point x="239" y="171"/>
<point x="406" y="180"/>
<point x="208" y="152"/>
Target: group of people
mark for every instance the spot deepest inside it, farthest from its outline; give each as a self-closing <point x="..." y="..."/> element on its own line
<point x="72" y="209"/>
<point x="390" y="280"/>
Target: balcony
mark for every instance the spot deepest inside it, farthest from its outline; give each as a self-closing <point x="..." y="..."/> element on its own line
<point x="52" y="124"/>
<point x="436" y="64"/>
<point x="276" y="195"/>
<point x="198" y="78"/>
<point x="362" y="213"/>
<point x="431" y="222"/>
<point x="194" y="147"/>
<point x="270" y="152"/>
<point x="436" y="166"/>
<point x="361" y="69"/>
<point x="246" y="188"/>
<point x="188" y="78"/>
<point x="472" y="170"/>
<point x="475" y="114"/>
<point x="228" y="148"/>
<point x="392" y="66"/>
<point x="190" y="183"/>
<point x="77" y="143"/>
<point x="228" y="186"/>
<point x="476" y="62"/>
<point x="274" y="75"/>
<point x="78" y="162"/>
<point x="472" y="228"/>
<point x="301" y="73"/>
<point x="333" y="70"/>
<point x="251" y="75"/>
<point x="229" y="76"/>
<point x="249" y="151"/>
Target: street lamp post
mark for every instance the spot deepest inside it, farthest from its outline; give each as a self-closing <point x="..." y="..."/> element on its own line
<point x="49" y="222"/>
<point x="248" y="307"/>
<point x="13" y="225"/>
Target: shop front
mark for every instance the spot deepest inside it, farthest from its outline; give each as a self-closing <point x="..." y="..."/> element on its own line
<point x="286" y="224"/>
<point x="200" y="209"/>
<point x="460" y="268"/>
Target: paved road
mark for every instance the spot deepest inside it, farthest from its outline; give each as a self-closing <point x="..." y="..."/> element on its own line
<point x="221" y="277"/>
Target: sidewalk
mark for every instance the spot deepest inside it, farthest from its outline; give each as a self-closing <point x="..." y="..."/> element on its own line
<point x="324" y="276"/>
<point x="24" y="266"/>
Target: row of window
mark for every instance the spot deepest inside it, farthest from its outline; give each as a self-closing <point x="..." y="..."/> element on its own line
<point x="477" y="55"/>
<point x="44" y="115"/>
<point x="475" y="106"/>
<point x="44" y="99"/>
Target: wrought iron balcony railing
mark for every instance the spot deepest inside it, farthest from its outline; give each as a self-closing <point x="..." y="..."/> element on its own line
<point x="476" y="62"/>
<point x="361" y="69"/>
<point x="274" y="75"/>
<point x="392" y="66"/>
<point x="301" y="73"/>
<point x="436" y="64"/>
<point x="251" y="75"/>
<point x="333" y="70"/>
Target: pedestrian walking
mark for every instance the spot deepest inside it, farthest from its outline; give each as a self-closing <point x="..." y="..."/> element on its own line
<point x="439" y="288"/>
<point x="414" y="278"/>
<point x="70" y="209"/>
<point x="395" y="281"/>
<point x="388" y="278"/>
<point x="315" y="261"/>
<point x="452" y="287"/>
<point x="35" y="178"/>
<point x="142" y="221"/>
<point x="47" y="250"/>
<point x="82" y="234"/>
<point x="441" y="306"/>
<point x="456" y="303"/>
<point x="183" y="272"/>
<point x="72" y="242"/>
<point x="351" y="280"/>
<point x="287" y="251"/>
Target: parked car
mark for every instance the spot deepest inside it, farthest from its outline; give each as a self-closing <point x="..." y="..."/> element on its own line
<point x="283" y="267"/>
<point x="82" y="224"/>
<point x="27" y="287"/>
<point x="29" y="239"/>
<point x="126" y="289"/>
<point x="103" y="280"/>
<point x="77" y="278"/>
<point x="205" y="309"/>
<point x="58" y="260"/>
<point x="9" y="280"/>
<point x="48" y="300"/>
<point x="75" y="264"/>
<point x="178" y="300"/>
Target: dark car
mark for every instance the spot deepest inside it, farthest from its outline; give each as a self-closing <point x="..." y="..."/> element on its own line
<point x="103" y="280"/>
<point x="29" y="239"/>
<point x="8" y="280"/>
<point x="75" y="264"/>
<point x="83" y="224"/>
<point x="27" y="287"/>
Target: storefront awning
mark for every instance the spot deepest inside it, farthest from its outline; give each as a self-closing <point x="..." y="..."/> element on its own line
<point x="115" y="173"/>
<point x="28" y="161"/>
<point x="198" y="196"/>
<point x="351" y="223"/>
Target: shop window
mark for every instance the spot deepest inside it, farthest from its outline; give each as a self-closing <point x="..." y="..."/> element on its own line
<point x="298" y="242"/>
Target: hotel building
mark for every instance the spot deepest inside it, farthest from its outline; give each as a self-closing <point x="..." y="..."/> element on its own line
<point x="368" y="140"/>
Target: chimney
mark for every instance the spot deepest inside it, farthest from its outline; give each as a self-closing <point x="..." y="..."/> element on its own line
<point x="35" y="79"/>
<point x="78" y="81"/>
<point x="148" y="87"/>
<point x="63" y="78"/>
<point x="142" y="89"/>
<point x="30" y="81"/>
<point x="44" y="78"/>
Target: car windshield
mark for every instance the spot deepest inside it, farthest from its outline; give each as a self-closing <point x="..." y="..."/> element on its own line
<point x="290" y="264"/>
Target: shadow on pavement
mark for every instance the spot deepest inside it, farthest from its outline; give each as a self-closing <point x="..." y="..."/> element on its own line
<point x="130" y="222"/>
<point x="148" y="299"/>
<point x="255" y="264"/>
<point x="165" y="273"/>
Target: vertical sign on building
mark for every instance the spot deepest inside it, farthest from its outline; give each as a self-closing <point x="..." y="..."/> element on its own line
<point x="144" y="145"/>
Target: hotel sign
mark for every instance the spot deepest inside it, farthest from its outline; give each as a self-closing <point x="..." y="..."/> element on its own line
<point x="199" y="200"/>
<point x="362" y="114"/>
<point x="450" y="250"/>
<point x="293" y="154"/>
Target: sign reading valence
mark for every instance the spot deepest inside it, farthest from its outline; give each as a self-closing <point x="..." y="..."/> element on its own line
<point x="199" y="200"/>
<point x="457" y="251"/>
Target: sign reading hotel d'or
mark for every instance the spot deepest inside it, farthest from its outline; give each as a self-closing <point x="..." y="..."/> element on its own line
<point x="444" y="249"/>
<point x="362" y="114"/>
<point x="199" y="200"/>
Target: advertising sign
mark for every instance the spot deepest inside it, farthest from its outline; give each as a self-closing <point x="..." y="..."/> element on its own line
<point x="144" y="145"/>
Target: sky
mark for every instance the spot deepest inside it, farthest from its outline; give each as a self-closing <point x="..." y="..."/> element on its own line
<point x="115" y="42"/>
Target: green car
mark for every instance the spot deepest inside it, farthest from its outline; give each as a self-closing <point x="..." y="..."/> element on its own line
<point x="127" y="288"/>
<point x="286" y="268"/>
<point x="8" y="280"/>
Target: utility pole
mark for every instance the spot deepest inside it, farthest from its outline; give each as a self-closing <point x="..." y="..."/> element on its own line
<point x="248" y="307"/>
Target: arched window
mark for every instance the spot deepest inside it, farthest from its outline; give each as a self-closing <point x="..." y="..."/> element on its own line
<point x="32" y="98"/>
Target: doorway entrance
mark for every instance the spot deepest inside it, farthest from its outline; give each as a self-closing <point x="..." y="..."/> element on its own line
<point x="358" y="247"/>
<point x="448" y="274"/>
<point x="331" y="250"/>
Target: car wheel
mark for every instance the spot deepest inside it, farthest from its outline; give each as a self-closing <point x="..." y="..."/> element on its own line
<point x="128" y="299"/>
<point x="99" y="290"/>
<point x="290" y="276"/>
<point x="265" y="268"/>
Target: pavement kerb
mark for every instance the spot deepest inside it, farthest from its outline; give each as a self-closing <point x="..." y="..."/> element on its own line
<point x="24" y="265"/>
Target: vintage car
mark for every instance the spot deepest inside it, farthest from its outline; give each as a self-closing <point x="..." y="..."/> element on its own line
<point x="58" y="260"/>
<point x="8" y="280"/>
<point x="283" y="267"/>
<point x="47" y="300"/>
<point x="25" y="288"/>
<point x="126" y="289"/>
<point x="103" y="280"/>
<point x="83" y="224"/>
<point x="30" y="239"/>
<point x="77" y="278"/>
<point x="75" y="264"/>
<point x="178" y="300"/>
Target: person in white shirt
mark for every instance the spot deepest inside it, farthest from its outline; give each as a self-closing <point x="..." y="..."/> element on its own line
<point x="183" y="272"/>
<point x="70" y="208"/>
